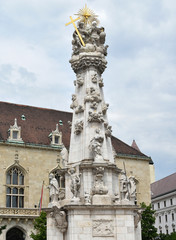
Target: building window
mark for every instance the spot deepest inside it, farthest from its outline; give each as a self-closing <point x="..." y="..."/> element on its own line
<point x="173" y="218"/>
<point x="15" y="133"/>
<point x="159" y="219"/>
<point x="164" y="203"/>
<point x="173" y="229"/>
<point x="56" y="137"/>
<point x="171" y="202"/>
<point x="166" y="218"/>
<point x="167" y="232"/>
<point x="153" y="206"/>
<point x="15" y="188"/>
<point x="158" y="205"/>
<point x="160" y="231"/>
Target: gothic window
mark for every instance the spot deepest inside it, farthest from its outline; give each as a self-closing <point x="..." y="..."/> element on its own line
<point x="15" y="188"/>
<point x="56" y="137"/>
<point x="60" y="178"/>
<point x="15" y="133"/>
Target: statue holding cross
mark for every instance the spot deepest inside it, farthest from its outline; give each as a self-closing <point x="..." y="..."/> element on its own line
<point x="87" y="37"/>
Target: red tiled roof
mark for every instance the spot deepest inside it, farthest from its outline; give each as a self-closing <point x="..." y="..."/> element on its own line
<point x="163" y="186"/>
<point x="40" y="122"/>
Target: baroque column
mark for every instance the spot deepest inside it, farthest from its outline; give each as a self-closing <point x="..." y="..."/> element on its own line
<point x="91" y="133"/>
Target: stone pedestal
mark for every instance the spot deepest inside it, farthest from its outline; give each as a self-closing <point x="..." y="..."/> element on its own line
<point x="101" y="200"/>
<point x="56" y="223"/>
<point x="98" y="222"/>
<point x="53" y="232"/>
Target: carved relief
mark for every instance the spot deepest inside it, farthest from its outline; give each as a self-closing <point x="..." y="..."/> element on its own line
<point x="92" y="95"/>
<point x="95" y="117"/>
<point x="79" y="109"/>
<point x="60" y="219"/>
<point x="64" y="156"/>
<point x="78" y="127"/>
<point x="108" y="129"/>
<point x="94" y="78"/>
<point x="137" y="217"/>
<point x="87" y="198"/>
<point x="93" y="37"/>
<point x="132" y="187"/>
<point x="116" y="199"/>
<point x="74" y="102"/>
<point x="102" y="228"/>
<point x="96" y="146"/>
<point x="75" y="183"/>
<point x="99" y="187"/>
<point x="124" y="187"/>
<point x="105" y="108"/>
<point x="79" y="81"/>
<point x="19" y="211"/>
<point x="127" y="187"/>
<point x="87" y="61"/>
<point x="53" y="190"/>
<point x="100" y="82"/>
<point x="94" y="105"/>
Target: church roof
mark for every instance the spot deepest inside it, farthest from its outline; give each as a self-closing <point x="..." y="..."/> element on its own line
<point x="135" y="146"/>
<point x="163" y="186"/>
<point x="40" y="122"/>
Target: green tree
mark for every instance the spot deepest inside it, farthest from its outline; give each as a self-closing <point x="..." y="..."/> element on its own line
<point x="40" y="227"/>
<point x="149" y="232"/>
<point x="163" y="236"/>
<point x="2" y="228"/>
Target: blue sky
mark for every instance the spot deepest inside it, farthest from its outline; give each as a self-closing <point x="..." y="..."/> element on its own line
<point x="140" y="80"/>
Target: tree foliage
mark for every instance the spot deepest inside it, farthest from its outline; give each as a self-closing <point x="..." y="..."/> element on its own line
<point x="40" y="227"/>
<point x="163" y="236"/>
<point x="2" y="228"/>
<point x="149" y="232"/>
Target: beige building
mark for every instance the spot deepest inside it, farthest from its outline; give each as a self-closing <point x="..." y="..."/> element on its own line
<point x="31" y="140"/>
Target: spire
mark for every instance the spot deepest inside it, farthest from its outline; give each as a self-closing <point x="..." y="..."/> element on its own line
<point x="91" y="133"/>
<point x="135" y="146"/>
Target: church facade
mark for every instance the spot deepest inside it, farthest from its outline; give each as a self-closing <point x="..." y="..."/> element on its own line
<point x="34" y="143"/>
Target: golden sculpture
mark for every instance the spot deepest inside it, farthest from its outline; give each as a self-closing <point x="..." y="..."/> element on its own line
<point x="85" y="15"/>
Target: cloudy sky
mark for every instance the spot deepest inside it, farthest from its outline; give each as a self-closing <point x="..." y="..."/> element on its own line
<point x="140" y="81"/>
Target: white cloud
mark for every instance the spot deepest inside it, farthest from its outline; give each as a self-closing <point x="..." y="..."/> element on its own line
<point x="140" y="85"/>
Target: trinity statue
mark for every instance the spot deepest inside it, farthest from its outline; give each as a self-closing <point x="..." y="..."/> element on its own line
<point x="99" y="200"/>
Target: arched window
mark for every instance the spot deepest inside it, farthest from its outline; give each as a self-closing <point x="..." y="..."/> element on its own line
<point x="15" y="188"/>
<point x="15" y="234"/>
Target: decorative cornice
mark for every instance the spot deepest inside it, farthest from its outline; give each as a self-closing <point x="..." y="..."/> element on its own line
<point x="16" y="212"/>
<point x="32" y="145"/>
<point x="82" y="62"/>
